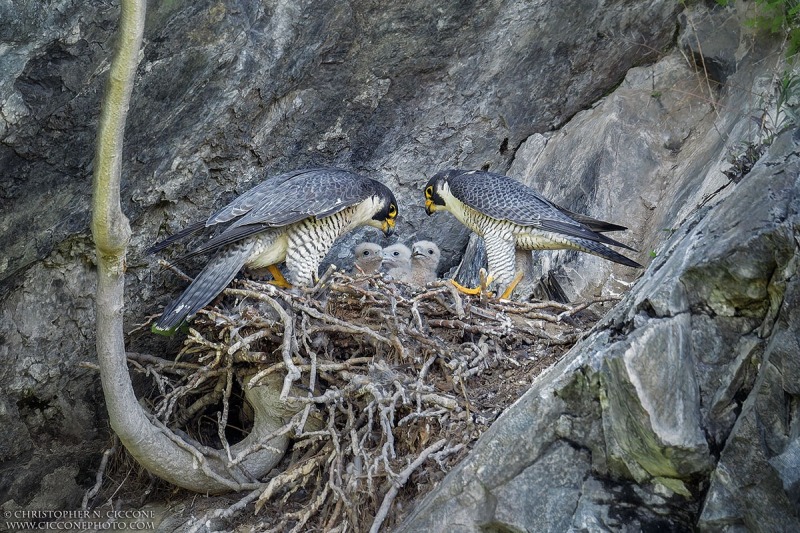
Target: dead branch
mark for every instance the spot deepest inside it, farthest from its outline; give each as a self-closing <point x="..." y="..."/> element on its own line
<point x="98" y="478"/>
<point x="399" y="482"/>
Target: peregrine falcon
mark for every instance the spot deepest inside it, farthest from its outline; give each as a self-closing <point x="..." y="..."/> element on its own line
<point x="294" y="217"/>
<point x="509" y="216"/>
<point x="424" y="262"/>
<point x="368" y="258"/>
<point x="397" y="262"/>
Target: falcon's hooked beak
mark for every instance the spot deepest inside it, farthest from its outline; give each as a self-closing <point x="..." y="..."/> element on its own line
<point x="430" y="207"/>
<point x="388" y="227"/>
<point x="388" y="223"/>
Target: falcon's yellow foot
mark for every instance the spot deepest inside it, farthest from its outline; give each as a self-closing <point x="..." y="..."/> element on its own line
<point x="480" y="289"/>
<point x="466" y="290"/>
<point x="512" y="286"/>
<point x="278" y="279"/>
<point x="485" y="282"/>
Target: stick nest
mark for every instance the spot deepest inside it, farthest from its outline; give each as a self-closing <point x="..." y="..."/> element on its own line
<point x="387" y="384"/>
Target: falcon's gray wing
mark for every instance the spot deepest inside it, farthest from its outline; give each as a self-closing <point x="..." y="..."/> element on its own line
<point x="281" y="201"/>
<point x="504" y="198"/>
<point x="315" y="193"/>
<point x="257" y="196"/>
<point x="238" y="207"/>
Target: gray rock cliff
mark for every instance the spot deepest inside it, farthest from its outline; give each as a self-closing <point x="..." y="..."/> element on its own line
<point x="680" y="403"/>
<point x="679" y="411"/>
<point x="595" y="104"/>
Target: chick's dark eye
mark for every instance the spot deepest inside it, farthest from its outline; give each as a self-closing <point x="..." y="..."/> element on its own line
<point x="396" y="254"/>
<point x="430" y="252"/>
<point x="365" y="252"/>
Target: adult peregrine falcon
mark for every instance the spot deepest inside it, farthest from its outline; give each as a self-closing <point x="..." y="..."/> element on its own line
<point x="294" y="217"/>
<point x="509" y="216"/>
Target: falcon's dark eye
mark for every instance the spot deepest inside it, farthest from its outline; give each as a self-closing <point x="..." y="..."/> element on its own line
<point x="392" y="211"/>
<point x="429" y="192"/>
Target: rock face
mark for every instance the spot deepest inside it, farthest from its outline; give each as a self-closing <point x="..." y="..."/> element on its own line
<point x="686" y="391"/>
<point x="679" y="412"/>
<point x="587" y="101"/>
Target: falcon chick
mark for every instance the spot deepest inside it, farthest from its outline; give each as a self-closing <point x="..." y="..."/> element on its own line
<point x="294" y="217"/>
<point x="424" y="262"/>
<point x="368" y="258"/>
<point x="509" y="216"/>
<point x="397" y="262"/>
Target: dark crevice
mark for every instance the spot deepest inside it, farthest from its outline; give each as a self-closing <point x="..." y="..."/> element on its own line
<point x="504" y="146"/>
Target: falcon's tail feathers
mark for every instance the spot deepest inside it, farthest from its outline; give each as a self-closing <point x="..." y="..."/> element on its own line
<point x="600" y="226"/>
<point x="596" y="248"/>
<point x="185" y="232"/>
<point x="211" y="281"/>
<point x="579" y="233"/>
